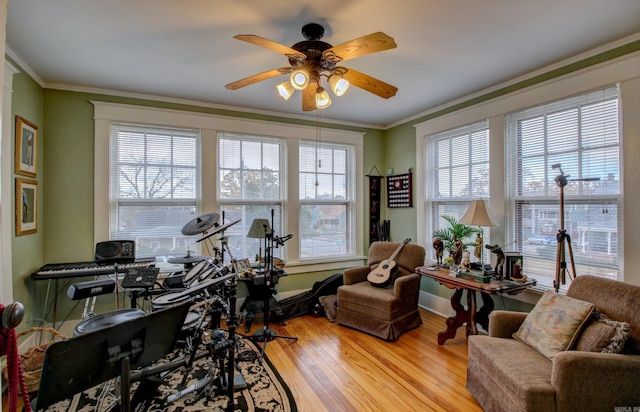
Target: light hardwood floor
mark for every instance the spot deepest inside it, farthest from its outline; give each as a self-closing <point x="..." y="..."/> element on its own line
<point x="335" y="368"/>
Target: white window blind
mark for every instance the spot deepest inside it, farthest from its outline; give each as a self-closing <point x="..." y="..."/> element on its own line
<point x="578" y="136"/>
<point x="250" y="186"/>
<point x="326" y="200"/>
<point x="154" y="188"/>
<point x="456" y="172"/>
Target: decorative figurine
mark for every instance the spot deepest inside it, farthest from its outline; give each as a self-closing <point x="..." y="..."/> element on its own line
<point x="465" y="264"/>
<point x="457" y="250"/>
<point x="438" y="245"/>
<point x="500" y="264"/>
<point x="477" y="251"/>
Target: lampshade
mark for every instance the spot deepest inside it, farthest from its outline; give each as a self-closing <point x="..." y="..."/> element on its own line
<point x="299" y="79"/>
<point x="339" y="85"/>
<point x="322" y="98"/>
<point x="285" y="90"/>
<point x="478" y="215"/>
<point x="258" y="228"/>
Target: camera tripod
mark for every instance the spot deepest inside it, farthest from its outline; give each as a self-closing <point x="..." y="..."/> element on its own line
<point x="563" y="238"/>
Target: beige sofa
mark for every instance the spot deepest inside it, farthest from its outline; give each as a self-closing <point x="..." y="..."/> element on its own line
<point x="382" y="312"/>
<point x="505" y="374"/>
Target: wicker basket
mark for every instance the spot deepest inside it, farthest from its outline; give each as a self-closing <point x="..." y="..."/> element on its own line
<point x="33" y="359"/>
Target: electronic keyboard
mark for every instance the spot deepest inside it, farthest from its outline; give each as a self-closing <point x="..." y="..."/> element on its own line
<point x="79" y="269"/>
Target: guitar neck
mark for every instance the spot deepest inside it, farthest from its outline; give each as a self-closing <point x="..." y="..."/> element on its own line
<point x="399" y="248"/>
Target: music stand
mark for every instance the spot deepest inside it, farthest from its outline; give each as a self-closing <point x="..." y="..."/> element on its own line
<point x="270" y="274"/>
<point x="87" y="360"/>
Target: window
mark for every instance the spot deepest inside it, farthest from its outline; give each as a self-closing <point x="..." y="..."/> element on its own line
<point x="154" y="188"/>
<point x="250" y="186"/>
<point x="242" y="169"/>
<point x="573" y="145"/>
<point x="457" y="171"/>
<point x="326" y="200"/>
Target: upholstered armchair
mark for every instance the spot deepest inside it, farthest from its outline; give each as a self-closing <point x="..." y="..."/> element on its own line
<point x="507" y="374"/>
<point x="385" y="312"/>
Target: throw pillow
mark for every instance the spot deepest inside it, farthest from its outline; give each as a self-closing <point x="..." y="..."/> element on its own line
<point x="603" y="335"/>
<point x="553" y="324"/>
<point x="328" y="303"/>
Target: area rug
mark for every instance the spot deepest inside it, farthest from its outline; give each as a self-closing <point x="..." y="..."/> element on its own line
<point x="265" y="390"/>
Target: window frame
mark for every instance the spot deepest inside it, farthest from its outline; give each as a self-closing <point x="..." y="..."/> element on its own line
<point x="105" y="112"/>
<point x="118" y="202"/>
<point x="456" y="205"/>
<point x="348" y="202"/>
<point x="517" y="201"/>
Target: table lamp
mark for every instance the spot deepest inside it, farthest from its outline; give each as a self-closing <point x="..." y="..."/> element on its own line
<point x="478" y="215"/>
<point x="258" y="230"/>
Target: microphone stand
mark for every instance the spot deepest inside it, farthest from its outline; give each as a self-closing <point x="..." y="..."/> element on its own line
<point x="266" y="334"/>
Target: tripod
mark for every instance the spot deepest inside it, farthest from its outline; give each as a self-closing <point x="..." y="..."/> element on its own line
<point x="563" y="237"/>
<point x="270" y="274"/>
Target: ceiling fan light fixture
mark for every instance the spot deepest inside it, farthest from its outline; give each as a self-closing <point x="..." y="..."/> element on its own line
<point x="339" y="85"/>
<point x="285" y="90"/>
<point x="322" y="98"/>
<point x="299" y="79"/>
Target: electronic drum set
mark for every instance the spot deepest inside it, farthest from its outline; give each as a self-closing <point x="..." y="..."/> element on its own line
<point x="208" y="286"/>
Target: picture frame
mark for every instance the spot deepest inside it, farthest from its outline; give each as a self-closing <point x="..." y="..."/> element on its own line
<point x="243" y="267"/>
<point x="26" y="206"/>
<point x="26" y="147"/>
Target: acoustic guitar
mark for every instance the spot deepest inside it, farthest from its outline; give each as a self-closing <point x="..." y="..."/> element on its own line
<point x="381" y="276"/>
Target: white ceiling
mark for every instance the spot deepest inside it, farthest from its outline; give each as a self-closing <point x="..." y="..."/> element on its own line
<point x="184" y="49"/>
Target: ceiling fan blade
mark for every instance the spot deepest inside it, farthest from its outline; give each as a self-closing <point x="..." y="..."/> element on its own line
<point x="372" y="43"/>
<point x="309" y="97"/>
<point x="258" y="78"/>
<point x="269" y="44"/>
<point x="370" y="84"/>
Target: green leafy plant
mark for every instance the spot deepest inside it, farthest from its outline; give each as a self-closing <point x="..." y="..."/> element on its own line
<point x="460" y="230"/>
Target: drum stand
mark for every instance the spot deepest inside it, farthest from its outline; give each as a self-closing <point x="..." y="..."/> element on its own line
<point x="265" y="334"/>
<point x="218" y="344"/>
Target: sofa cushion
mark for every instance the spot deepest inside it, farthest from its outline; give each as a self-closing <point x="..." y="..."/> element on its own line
<point x="604" y="335"/>
<point x="507" y="375"/>
<point x="362" y="298"/>
<point x="554" y="323"/>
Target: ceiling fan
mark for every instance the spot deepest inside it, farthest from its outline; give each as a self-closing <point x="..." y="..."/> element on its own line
<point x="312" y="59"/>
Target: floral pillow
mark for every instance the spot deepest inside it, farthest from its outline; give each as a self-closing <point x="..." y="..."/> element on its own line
<point x="554" y="323"/>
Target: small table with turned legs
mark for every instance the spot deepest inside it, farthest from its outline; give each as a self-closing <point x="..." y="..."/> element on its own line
<point x="470" y="316"/>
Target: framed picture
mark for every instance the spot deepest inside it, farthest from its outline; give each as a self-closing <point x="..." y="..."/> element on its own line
<point x="26" y="147"/>
<point x="26" y="206"/>
<point x="243" y="266"/>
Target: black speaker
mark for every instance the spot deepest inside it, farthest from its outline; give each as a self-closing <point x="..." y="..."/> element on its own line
<point x="90" y="288"/>
<point x="116" y="250"/>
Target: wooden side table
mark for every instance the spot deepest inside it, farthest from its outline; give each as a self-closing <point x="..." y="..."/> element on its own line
<point x="470" y="316"/>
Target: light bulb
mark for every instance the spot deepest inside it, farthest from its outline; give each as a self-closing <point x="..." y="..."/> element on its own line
<point x="299" y="79"/>
<point x="339" y="85"/>
<point x="322" y="98"/>
<point x="285" y="90"/>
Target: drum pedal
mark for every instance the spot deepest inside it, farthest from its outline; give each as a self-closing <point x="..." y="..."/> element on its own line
<point x="138" y="278"/>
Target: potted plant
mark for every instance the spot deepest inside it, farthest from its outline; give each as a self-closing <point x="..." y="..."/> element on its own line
<point x="460" y="230"/>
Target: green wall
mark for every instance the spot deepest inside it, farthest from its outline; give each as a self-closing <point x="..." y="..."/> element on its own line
<point x="66" y="189"/>
<point x="27" y="250"/>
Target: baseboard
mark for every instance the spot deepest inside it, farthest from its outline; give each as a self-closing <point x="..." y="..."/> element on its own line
<point x="435" y="304"/>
